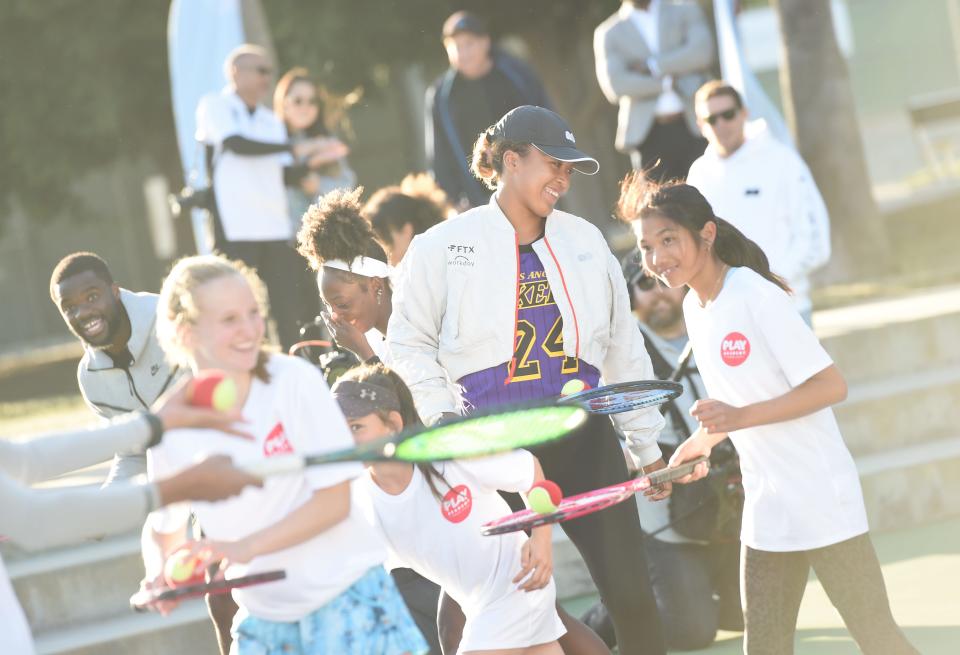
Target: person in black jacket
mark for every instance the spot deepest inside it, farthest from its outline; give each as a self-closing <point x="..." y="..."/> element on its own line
<point x="482" y="84"/>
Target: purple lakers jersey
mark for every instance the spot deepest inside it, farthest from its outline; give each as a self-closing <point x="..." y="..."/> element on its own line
<point x="540" y="367"/>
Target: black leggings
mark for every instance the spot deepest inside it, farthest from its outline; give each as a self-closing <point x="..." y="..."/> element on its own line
<point x="772" y="585"/>
<point x="610" y="541"/>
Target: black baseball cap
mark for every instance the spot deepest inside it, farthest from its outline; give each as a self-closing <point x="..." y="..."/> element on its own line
<point x="464" y="21"/>
<point x="547" y="132"/>
<point x="634" y="273"/>
<point x="359" y="399"/>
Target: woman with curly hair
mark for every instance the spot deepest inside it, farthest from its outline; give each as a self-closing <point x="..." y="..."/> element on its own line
<point x="353" y="277"/>
<point x="352" y="272"/>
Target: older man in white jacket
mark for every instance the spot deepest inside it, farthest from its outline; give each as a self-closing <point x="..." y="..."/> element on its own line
<point x="763" y="188"/>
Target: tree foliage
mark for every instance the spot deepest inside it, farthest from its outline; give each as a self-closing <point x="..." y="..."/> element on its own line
<point x="84" y="83"/>
<point x="356" y="43"/>
<point x="87" y="83"/>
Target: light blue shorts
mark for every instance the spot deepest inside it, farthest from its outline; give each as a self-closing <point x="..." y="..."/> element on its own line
<point x="369" y="618"/>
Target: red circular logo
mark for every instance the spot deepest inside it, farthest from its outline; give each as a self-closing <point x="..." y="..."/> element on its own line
<point x="734" y="349"/>
<point x="457" y="504"/>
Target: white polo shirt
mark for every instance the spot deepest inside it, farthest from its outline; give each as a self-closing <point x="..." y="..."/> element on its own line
<point x="251" y="196"/>
<point x="802" y="487"/>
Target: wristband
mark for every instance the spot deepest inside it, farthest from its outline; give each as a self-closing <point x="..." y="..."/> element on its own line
<point x="152" y="492"/>
<point x="156" y="429"/>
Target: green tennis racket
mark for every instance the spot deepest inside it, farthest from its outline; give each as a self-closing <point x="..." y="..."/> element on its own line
<point x="471" y="436"/>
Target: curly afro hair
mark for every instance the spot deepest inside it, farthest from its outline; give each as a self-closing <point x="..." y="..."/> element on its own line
<point x="334" y="228"/>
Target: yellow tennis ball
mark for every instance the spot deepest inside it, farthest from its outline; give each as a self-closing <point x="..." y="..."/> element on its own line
<point x="572" y="387"/>
<point x="540" y="502"/>
<point x="182" y="568"/>
<point x="225" y="395"/>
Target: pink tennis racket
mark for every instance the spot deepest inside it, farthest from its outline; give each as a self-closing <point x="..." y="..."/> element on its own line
<point x="588" y="502"/>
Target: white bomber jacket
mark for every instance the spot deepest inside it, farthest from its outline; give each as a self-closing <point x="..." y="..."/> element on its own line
<point x="455" y="310"/>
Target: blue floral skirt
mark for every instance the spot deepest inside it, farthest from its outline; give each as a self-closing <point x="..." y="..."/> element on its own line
<point x="369" y="618"/>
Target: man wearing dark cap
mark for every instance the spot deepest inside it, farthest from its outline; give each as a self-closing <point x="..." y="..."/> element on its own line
<point x="482" y="84"/>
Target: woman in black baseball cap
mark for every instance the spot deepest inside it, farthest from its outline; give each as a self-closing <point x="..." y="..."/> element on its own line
<point x="518" y="301"/>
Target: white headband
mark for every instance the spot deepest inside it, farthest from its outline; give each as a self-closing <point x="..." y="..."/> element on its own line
<point x="365" y="266"/>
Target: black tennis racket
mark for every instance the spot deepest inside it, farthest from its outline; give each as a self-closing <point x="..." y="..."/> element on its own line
<point x="624" y="396"/>
<point x="144" y="599"/>
<point x="471" y="436"/>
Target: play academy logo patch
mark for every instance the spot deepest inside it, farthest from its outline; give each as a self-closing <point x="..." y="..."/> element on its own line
<point x="734" y="349"/>
<point x="457" y="504"/>
<point x="276" y="442"/>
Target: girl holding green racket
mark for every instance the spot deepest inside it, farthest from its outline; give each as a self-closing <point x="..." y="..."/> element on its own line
<point x="516" y="300"/>
<point x="336" y="597"/>
<point x="771" y="385"/>
<point x="431" y="517"/>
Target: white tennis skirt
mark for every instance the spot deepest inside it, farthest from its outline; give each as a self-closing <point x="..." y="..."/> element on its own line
<point x="518" y="620"/>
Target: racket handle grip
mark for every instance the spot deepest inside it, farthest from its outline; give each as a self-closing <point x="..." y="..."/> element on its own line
<point x="673" y="472"/>
<point x="276" y="465"/>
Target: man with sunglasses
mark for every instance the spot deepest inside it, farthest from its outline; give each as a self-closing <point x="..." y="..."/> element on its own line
<point x="763" y="187"/>
<point x="247" y="154"/>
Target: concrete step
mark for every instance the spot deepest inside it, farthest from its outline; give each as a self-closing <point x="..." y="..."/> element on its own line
<point x="70" y="586"/>
<point x="913" y="485"/>
<point x="880" y="339"/>
<point x="902" y="411"/>
<point x="188" y="630"/>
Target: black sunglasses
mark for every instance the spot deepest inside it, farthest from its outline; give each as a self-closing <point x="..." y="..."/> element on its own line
<point x="305" y="101"/>
<point x="645" y="282"/>
<point x="262" y="70"/>
<point x="727" y="115"/>
<point x="636" y="276"/>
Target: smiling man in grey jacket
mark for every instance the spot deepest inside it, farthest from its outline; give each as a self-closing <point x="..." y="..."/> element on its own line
<point x="123" y="368"/>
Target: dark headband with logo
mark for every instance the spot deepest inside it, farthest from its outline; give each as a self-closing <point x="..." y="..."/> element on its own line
<point x="359" y="399"/>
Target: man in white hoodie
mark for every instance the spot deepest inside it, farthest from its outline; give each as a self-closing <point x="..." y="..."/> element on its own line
<point x="762" y="187"/>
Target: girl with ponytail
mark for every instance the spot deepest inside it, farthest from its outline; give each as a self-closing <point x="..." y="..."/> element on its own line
<point x="431" y="515"/>
<point x="770" y="385"/>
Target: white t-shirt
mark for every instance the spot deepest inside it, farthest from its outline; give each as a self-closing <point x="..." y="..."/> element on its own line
<point x="441" y="540"/>
<point x="378" y="345"/>
<point x="295" y="412"/>
<point x="767" y="192"/>
<point x="802" y="488"/>
<point x="15" y="636"/>
<point x="251" y="196"/>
